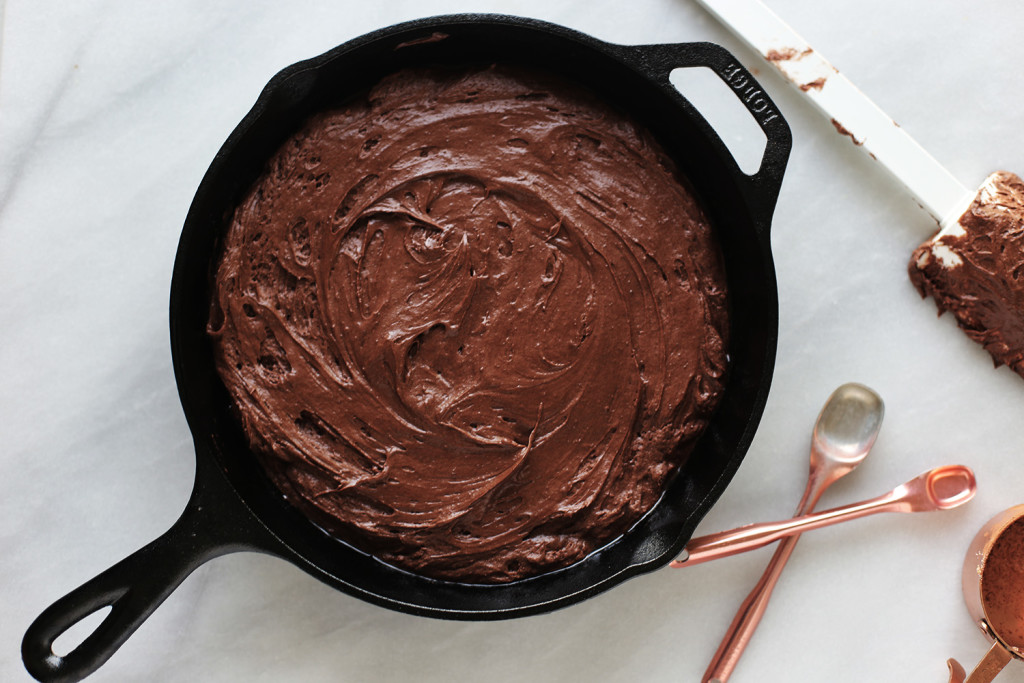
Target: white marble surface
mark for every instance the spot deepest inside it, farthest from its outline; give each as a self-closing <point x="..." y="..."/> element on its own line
<point x="110" y="112"/>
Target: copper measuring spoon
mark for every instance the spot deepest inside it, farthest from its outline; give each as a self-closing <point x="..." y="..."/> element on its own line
<point x="843" y="435"/>
<point x="941" y="488"/>
<point x="993" y="584"/>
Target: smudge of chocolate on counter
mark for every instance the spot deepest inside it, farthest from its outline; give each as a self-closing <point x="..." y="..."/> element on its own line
<point x="435" y="37"/>
<point x="816" y="84"/>
<point x="977" y="272"/>
<point x="841" y="129"/>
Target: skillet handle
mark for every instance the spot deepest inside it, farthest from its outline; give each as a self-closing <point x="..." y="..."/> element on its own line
<point x="214" y="523"/>
<point x="762" y="189"/>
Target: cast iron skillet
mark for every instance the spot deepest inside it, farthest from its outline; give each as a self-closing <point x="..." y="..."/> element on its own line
<point x="234" y="507"/>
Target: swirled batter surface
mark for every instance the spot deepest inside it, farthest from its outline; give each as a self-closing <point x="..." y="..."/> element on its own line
<point x="472" y="322"/>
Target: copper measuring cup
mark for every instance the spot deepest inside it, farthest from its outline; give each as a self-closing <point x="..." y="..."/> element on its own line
<point x="993" y="584"/>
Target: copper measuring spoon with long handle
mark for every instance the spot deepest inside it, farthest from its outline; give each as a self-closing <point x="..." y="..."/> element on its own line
<point x="843" y="435"/>
<point x="941" y="488"/>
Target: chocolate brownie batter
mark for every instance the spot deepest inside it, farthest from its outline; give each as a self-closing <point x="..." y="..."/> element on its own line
<point x="977" y="270"/>
<point x="472" y="322"/>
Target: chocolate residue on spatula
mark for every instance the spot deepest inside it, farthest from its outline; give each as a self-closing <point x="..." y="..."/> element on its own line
<point x="977" y="271"/>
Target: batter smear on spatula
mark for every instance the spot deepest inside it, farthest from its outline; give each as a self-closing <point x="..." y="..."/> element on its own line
<point x="975" y="269"/>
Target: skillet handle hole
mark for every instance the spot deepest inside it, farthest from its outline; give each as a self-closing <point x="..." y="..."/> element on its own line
<point x="724" y="112"/>
<point x="69" y="640"/>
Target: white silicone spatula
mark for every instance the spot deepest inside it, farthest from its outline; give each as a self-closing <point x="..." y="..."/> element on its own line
<point x="977" y="229"/>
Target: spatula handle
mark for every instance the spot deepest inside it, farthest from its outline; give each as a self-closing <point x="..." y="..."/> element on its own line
<point x="851" y="112"/>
